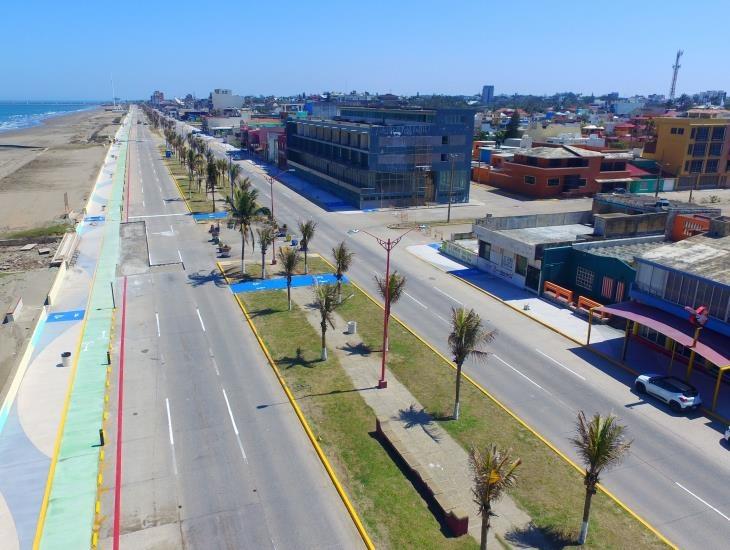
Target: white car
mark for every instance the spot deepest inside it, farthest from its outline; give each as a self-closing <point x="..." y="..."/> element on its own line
<point x="679" y="395"/>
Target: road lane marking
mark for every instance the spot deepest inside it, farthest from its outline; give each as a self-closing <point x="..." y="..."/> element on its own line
<point x="172" y="439"/>
<point x="419" y="303"/>
<point x="530" y="380"/>
<point x="235" y="428"/>
<point x="442" y="318"/>
<point x="143" y="204"/>
<point x="179" y="255"/>
<point x="157" y="216"/>
<point x="215" y="366"/>
<point x="448" y="296"/>
<point x="157" y="318"/>
<point x="560" y="364"/>
<point x="171" y="229"/>
<point x="200" y="318"/>
<point x="710" y="506"/>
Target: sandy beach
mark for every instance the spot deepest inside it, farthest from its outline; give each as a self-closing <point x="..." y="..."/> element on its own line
<point x="39" y="164"/>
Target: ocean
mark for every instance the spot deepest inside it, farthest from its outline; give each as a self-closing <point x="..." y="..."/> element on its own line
<point x="14" y="115"/>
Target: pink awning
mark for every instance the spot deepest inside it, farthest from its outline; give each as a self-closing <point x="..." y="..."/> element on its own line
<point x="712" y="346"/>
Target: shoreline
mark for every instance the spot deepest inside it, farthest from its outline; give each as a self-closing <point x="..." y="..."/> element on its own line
<point x="45" y="117"/>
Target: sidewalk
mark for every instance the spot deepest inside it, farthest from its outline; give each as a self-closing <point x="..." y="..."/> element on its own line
<point x="37" y="400"/>
<point x="439" y="455"/>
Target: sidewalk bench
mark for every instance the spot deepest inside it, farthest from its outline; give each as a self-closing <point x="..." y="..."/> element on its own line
<point x="558" y="293"/>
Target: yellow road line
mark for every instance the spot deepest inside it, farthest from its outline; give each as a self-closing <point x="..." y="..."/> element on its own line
<point x="514" y="415"/>
<point x="300" y="415"/>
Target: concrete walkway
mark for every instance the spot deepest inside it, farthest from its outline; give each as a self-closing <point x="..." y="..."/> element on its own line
<point x="439" y="455"/>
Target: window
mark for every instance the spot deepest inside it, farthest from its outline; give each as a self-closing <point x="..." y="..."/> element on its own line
<point x="582" y="182"/>
<point x="520" y="265"/>
<point x="702" y="133"/>
<point x="718" y="134"/>
<point x="673" y="130"/>
<point x="444" y="157"/>
<point x="508" y="261"/>
<point x="699" y="149"/>
<point x="530" y="180"/>
<point x="678" y="131"/>
<point x="584" y="278"/>
<point x="553" y="182"/>
<point x="444" y="140"/>
<point x="715" y="149"/>
<point x="695" y="167"/>
<point x="607" y="287"/>
<point x="711" y="166"/>
<point x="686" y="166"/>
<point x="485" y="249"/>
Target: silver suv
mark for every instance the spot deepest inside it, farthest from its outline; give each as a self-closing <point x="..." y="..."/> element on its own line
<point x="679" y="395"/>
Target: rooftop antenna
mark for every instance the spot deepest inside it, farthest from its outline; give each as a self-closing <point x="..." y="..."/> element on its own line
<point x="676" y="67"/>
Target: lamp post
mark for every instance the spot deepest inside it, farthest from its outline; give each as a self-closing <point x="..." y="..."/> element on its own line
<point x="388" y="245"/>
<point x="273" y="219"/>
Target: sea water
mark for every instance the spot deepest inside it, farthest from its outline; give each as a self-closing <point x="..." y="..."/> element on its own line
<point x="15" y="115"/>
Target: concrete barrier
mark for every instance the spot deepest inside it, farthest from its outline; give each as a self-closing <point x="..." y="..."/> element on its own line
<point x="66" y="249"/>
<point x="56" y="287"/>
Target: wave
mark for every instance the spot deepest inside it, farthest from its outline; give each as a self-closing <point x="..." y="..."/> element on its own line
<point x="17" y="121"/>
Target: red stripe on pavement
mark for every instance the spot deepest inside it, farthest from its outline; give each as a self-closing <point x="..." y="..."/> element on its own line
<point x="120" y="407"/>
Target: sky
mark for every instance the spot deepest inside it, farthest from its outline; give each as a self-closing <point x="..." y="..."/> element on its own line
<point x="73" y="49"/>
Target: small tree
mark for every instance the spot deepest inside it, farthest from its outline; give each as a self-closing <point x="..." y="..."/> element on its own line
<point x="513" y="126"/>
<point x="601" y="444"/>
<point x="494" y="473"/>
<point x="343" y="260"/>
<point x="307" y="230"/>
<point x="266" y="237"/>
<point x="325" y="299"/>
<point x="391" y="293"/>
<point x="467" y="339"/>
<point x="289" y="259"/>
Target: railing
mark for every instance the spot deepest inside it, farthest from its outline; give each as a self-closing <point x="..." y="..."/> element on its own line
<point x="588" y="305"/>
<point x="559" y="291"/>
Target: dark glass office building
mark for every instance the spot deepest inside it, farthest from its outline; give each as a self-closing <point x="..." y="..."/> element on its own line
<point x="382" y="157"/>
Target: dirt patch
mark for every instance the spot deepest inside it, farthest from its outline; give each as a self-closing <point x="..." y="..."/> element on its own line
<point x="14" y="259"/>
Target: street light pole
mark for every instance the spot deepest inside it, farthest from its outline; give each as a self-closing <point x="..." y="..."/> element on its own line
<point x="273" y="219"/>
<point x="451" y="189"/>
<point x="388" y="245"/>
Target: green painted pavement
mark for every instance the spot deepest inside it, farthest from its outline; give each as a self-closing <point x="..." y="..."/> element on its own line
<point x="69" y="519"/>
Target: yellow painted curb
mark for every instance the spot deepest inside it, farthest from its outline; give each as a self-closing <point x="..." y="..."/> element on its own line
<point x="515" y="416"/>
<point x="320" y="453"/>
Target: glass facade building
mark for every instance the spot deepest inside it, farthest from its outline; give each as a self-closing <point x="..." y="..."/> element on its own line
<point x="381" y="157"/>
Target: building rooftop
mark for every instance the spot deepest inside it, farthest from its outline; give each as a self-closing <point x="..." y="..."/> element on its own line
<point x="648" y="203"/>
<point x="562" y="152"/>
<point x="707" y="257"/>
<point x="550" y="234"/>
<point x="625" y="250"/>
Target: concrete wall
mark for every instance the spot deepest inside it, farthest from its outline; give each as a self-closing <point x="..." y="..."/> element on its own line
<point x="535" y="220"/>
<point x="625" y="225"/>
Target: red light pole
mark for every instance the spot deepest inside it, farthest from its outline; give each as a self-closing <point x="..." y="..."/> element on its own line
<point x="388" y="245"/>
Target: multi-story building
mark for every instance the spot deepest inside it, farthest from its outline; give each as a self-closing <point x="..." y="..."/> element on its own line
<point x="487" y="94"/>
<point x="378" y="157"/>
<point x="222" y="99"/>
<point x="693" y="148"/>
<point x="157" y="97"/>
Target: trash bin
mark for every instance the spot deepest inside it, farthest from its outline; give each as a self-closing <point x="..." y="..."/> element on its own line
<point x="351" y="327"/>
<point x="66" y="359"/>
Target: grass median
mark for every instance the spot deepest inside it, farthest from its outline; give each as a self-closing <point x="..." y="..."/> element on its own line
<point x="198" y="201"/>
<point x="394" y="513"/>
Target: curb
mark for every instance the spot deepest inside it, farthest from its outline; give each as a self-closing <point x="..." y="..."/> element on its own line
<point x="320" y="453"/>
<point x="514" y="415"/>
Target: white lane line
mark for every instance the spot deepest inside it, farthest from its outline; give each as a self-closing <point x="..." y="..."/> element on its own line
<point x="215" y="366"/>
<point x="560" y="364"/>
<point x="172" y="439"/>
<point x="179" y="255"/>
<point x="157" y="318"/>
<point x="442" y="318"/>
<point x="200" y="318"/>
<point x="710" y="506"/>
<point x="171" y="229"/>
<point x="530" y="380"/>
<point x="156" y="216"/>
<point x="448" y="296"/>
<point x="235" y="428"/>
<point x="424" y="306"/>
<point x="143" y="204"/>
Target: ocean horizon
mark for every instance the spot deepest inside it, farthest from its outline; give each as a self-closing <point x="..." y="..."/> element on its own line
<point x="15" y="115"/>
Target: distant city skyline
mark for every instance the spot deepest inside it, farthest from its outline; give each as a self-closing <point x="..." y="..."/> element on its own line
<point x="401" y="48"/>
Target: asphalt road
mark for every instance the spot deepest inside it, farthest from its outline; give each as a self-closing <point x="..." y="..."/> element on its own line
<point x="213" y="455"/>
<point x="676" y="476"/>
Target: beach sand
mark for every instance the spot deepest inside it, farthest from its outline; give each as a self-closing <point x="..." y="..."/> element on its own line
<point x="39" y="164"/>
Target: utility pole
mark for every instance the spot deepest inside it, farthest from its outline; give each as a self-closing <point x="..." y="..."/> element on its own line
<point x="451" y="189"/>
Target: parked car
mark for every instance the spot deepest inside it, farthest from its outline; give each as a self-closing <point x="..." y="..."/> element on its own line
<point x="678" y="394"/>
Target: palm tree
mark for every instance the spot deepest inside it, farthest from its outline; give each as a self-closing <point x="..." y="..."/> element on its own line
<point x="244" y="211"/>
<point x="467" y="339"/>
<point x="343" y="260"/>
<point x="266" y="237"/>
<point x="494" y="473"/>
<point x="289" y="258"/>
<point x="233" y="174"/>
<point x="307" y="230"/>
<point x="200" y="166"/>
<point x="601" y="444"/>
<point x="210" y="180"/>
<point x="222" y="167"/>
<point x="325" y="299"/>
<point x="391" y="293"/>
<point x="190" y="161"/>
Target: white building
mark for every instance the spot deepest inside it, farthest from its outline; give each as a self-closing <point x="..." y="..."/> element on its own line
<point x="224" y="99"/>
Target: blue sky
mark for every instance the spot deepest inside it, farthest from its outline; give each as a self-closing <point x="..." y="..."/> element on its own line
<point x="65" y="50"/>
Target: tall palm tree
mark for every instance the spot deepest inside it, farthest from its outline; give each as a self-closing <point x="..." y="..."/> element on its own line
<point x="325" y="300"/>
<point x="343" y="260"/>
<point x="494" y="473"/>
<point x="233" y="174"/>
<point x="200" y="166"/>
<point x="391" y="293"/>
<point x="190" y="162"/>
<point x="222" y="167"/>
<point x="601" y="444"/>
<point x="244" y="211"/>
<point x="289" y="258"/>
<point x="211" y="179"/>
<point x="266" y="237"/>
<point x="467" y="339"/>
<point x="307" y="229"/>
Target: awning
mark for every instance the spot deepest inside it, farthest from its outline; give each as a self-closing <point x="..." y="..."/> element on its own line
<point x="712" y="346"/>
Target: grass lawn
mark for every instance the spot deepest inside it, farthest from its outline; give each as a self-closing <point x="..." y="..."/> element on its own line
<point x="47" y="231"/>
<point x="198" y="201"/>
<point x="232" y="267"/>
<point x="549" y="489"/>
<point x="393" y="512"/>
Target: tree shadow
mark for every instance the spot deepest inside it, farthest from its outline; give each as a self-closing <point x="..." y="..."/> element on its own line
<point x="298" y="360"/>
<point x="411" y="417"/>
<point x="262" y="312"/>
<point x="200" y="278"/>
<point x="356" y="349"/>
<point x="532" y="536"/>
